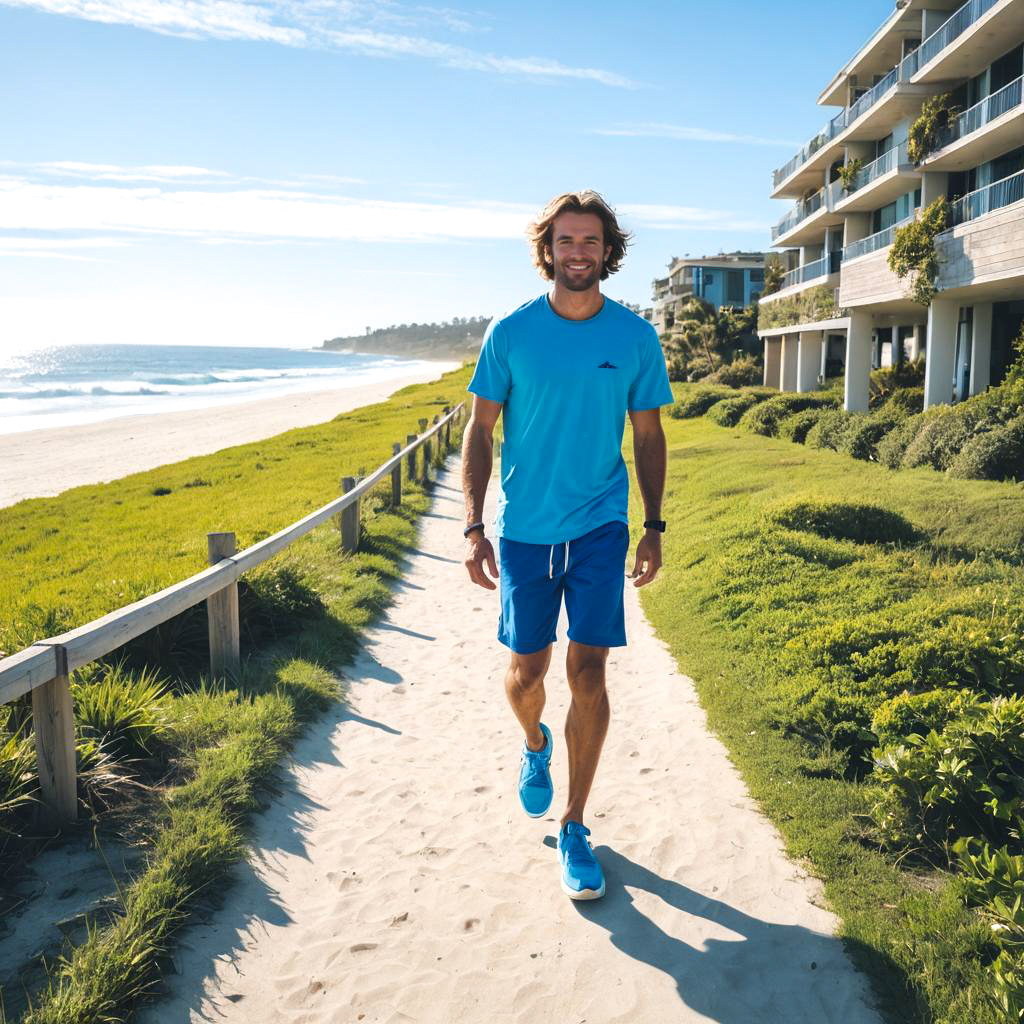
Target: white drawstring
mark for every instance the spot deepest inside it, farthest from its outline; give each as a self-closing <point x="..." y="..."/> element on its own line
<point x="566" y="556"/>
<point x="551" y="563"/>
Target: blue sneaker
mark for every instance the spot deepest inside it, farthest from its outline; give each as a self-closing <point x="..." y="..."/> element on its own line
<point x="535" y="789"/>
<point x="582" y="877"/>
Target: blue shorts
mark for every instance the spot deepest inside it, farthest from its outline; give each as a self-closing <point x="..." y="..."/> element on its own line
<point x="590" y="571"/>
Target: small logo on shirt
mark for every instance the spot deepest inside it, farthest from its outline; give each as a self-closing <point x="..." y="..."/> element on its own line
<point x="607" y="366"/>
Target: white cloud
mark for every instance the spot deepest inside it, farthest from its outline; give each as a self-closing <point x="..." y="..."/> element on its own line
<point x="682" y="133"/>
<point x="344" y="25"/>
<point x="690" y="217"/>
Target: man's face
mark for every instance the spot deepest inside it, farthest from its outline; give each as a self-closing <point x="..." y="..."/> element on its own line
<point x="578" y="251"/>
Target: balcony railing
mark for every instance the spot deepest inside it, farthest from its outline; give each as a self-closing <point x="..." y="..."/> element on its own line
<point x="810" y="271"/>
<point x="986" y="200"/>
<point x="801" y="211"/>
<point x="874" y="242"/>
<point x="954" y="26"/>
<point x="883" y="165"/>
<point x="982" y="113"/>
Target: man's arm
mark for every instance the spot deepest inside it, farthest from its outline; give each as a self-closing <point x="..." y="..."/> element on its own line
<point x="651" y="457"/>
<point x="477" y="460"/>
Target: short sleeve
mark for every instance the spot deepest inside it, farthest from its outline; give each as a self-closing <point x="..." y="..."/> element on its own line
<point x="491" y="378"/>
<point x="650" y="388"/>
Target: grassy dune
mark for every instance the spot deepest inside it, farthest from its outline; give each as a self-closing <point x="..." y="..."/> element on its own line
<point x="203" y="749"/>
<point x="750" y="599"/>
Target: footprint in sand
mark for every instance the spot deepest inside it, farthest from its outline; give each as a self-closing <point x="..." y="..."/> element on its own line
<point x="362" y="947"/>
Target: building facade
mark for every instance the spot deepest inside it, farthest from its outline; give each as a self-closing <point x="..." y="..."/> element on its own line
<point x="840" y="309"/>
<point x="728" y="279"/>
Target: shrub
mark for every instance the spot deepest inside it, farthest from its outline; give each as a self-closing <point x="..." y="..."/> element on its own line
<point x="919" y="713"/>
<point x="893" y="446"/>
<point x="862" y="435"/>
<point x="795" y="427"/>
<point x="828" y="431"/>
<point x="742" y="372"/>
<point x="888" y="380"/>
<point x="124" y="712"/>
<point x="913" y="250"/>
<point x="728" y="411"/>
<point x="943" y="434"/>
<point x="17" y="773"/>
<point x="807" y="306"/>
<point x="847" y="520"/>
<point x="994" y="455"/>
<point x="698" y="401"/>
<point x="908" y="400"/>
<point x="765" y="418"/>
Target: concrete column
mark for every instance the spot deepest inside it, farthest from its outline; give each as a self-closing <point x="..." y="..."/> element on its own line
<point x="823" y="362"/>
<point x="918" y="343"/>
<point x="790" y="343"/>
<point x="858" y="362"/>
<point x="981" y="348"/>
<point x="938" y="363"/>
<point x="773" y="363"/>
<point x="933" y="185"/>
<point x="808" y="360"/>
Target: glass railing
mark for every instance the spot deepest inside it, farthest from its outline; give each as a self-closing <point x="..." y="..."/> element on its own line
<point x="955" y="26"/>
<point x="982" y="113"/>
<point x="811" y="271"/>
<point x="985" y="200"/>
<point x="874" y="242"/>
<point x="800" y="212"/>
<point x="883" y="165"/>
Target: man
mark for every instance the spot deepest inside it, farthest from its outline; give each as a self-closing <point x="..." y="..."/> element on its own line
<point x="564" y="369"/>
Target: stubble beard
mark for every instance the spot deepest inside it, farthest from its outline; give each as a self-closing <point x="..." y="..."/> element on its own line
<point x="575" y="283"/>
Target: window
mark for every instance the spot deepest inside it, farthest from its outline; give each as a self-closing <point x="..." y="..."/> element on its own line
<point x="734" y="287"/>
<point x="757" y="277"/>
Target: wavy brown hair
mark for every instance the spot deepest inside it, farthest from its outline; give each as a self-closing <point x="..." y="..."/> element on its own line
<point x="587" y="201"/>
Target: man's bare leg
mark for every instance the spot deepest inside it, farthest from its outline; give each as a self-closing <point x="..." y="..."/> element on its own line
<point x="587" y="722"/>
<point x="524" y="686"/>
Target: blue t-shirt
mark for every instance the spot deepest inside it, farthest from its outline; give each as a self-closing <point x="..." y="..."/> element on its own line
<point x="566" y="386"/>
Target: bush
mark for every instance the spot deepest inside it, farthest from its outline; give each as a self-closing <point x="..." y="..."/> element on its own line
<point x="919" y="713"/>
<point x="728" y="411"/>
<point x="698" y="401"/>
<point x="742" y="372"/>
<point x="124" y="712"/>
<point x="862" y="435"/>
<point x="893" y="446"/>
<point x="828" y="431"/>
<point x="795" y="427"/>
<point x="765" y="418"/>
<point x="908" y="400"/>
<point x="993" y="455"/>
<point x="847" y="520"/>
<point x="943" y="434"/>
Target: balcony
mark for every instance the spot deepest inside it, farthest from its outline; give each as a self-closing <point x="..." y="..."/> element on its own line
<point x="880" y="182"/>
<point x="982" y="132"/>
<point x="812" y="271"/>
<point x="807" y="221"/>
<point x="970" y="39"/>
<point x="874" y="242"/>
<point x="987" y="200"/>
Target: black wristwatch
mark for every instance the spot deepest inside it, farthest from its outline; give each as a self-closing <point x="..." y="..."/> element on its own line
<point x="469" y="529"/>
<point x="655" y="524"/>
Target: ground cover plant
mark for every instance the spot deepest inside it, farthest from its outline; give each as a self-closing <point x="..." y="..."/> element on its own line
<point x="169" y="758"/>
<point x="856" y="638"/>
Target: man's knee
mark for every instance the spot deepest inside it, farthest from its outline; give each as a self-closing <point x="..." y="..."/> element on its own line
<point x="585" y="667"/>
<point x="527" y="671"/>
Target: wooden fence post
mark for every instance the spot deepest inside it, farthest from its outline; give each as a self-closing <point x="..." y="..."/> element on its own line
<point x="54" y="727"/>
<point x="396" y="476"/>
<point x="411" y="457"/>
<point x="222" y="611"/>
<point x="349" y="518"/>
<point x="447" y="431"/>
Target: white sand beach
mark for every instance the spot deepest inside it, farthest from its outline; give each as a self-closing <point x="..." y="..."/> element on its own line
<point x="395" y="877"/>
<point x="42" y="463"/>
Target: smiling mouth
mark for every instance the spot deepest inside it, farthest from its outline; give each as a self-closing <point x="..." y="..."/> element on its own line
<point x="580" y="267"/>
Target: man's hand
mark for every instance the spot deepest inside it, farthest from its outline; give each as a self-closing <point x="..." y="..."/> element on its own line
<point x="479" y="551"/>
<point x="648" y="559"/>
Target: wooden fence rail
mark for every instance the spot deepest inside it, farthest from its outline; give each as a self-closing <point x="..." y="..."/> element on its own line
<point x="44" y="669"/>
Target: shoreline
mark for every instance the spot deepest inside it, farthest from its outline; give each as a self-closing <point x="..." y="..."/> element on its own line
<point x="46" y="462"/>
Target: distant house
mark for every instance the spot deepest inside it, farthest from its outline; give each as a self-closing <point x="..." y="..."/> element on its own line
<point x="728" y="279"/>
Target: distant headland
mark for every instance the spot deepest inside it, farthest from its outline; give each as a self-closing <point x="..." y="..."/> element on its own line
<point x="458" y="338"/>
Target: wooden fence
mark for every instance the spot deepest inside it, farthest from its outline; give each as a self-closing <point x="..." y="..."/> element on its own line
<point x="44" y="668"/>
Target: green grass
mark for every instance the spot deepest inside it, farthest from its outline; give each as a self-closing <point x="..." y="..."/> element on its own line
<point x="745" y="600"/>
<point x="177" y="760"/>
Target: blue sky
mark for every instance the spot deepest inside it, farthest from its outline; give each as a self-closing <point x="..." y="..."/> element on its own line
<point x="215" y="171"/>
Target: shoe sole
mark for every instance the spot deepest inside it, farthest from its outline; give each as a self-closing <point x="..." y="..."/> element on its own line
<point x="582" y="894"/>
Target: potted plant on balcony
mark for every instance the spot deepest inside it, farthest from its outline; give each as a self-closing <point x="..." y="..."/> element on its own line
<point x="926" y="130"/>
<point x="848" y="173"/>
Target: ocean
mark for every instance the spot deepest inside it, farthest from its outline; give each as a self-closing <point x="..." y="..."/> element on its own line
<point x="72" y="384"/>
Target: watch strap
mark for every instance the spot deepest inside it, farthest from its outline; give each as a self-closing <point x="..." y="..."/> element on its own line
<point x="655" y="524"/>
<point x="473" y="526"/>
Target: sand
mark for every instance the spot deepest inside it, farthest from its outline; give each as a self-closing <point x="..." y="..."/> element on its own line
<point x="395" y="877"/>
<point x="42" y="463"/>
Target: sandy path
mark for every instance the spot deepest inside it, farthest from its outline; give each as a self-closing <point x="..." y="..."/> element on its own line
<point x="42" y="463"/>
<point x="397" y="879"/>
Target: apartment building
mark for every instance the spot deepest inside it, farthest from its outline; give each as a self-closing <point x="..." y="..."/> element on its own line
<point x="728" y="279"/>
<point x="840" y="309"/>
